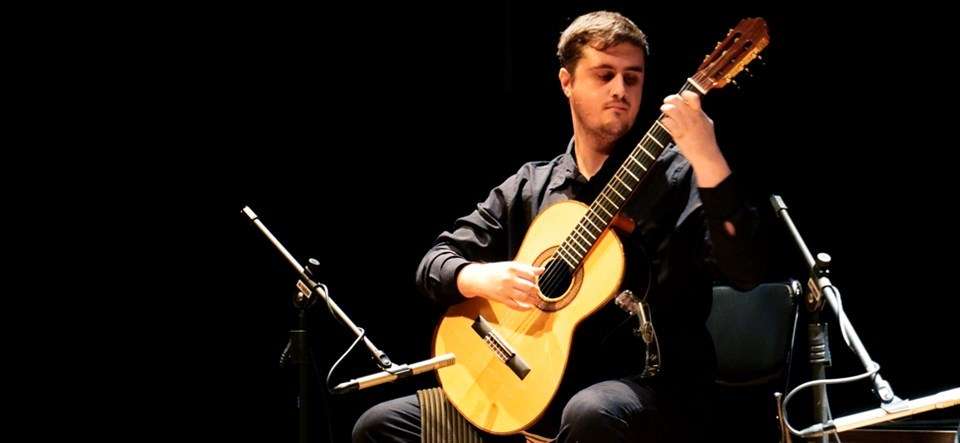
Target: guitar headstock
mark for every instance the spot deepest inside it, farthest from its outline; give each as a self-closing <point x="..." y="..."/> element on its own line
<point x="741" y="45"/>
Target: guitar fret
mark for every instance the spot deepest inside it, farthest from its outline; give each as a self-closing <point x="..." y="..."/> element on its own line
<point x="572" y="254"/>
<point x="655" y="140"/>
<point x="638" y="163"/>
<point x="604" y="210"/>
<point x="598" y="219"/>
<point x="652" y="157"/>
<point x="580" y="247"/>
<point x="563" y="257"/>
<point x="592" y="238"/>
<point x="612" y="188"/>
<point x="657" y="122"/>
<point x="574" y="246"/>
<point x="602" y="205"/>
<point x="587" y="218"/>
<point x="625" y="179"/>
<point x="625" y="185"/>
<point x="615" y="204"/>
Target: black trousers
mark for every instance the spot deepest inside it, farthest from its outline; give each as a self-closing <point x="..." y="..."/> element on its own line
<point x="624" y="410"/>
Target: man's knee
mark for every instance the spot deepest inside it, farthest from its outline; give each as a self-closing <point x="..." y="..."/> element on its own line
<point x="394" y="420"/>
<point x="603" y="410"/>
<point x="586" y="407"/>
<point x="372" y="423"/>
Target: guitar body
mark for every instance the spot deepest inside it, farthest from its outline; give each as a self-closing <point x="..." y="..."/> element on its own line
<point x="483" y="387"/>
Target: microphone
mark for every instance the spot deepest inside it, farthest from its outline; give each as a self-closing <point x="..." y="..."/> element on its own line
<point x="395" y="372"/>
<point x="894" y="411"/>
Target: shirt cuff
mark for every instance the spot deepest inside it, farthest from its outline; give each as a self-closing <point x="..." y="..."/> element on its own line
<point x="448" y="276"/>
<point x="722" y="201"/>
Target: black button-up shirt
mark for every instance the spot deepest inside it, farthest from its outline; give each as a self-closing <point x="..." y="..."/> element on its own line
<point x="676" y="252"/>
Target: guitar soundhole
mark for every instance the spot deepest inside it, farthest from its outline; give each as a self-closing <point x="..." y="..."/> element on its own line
<point x="555" y="281"/>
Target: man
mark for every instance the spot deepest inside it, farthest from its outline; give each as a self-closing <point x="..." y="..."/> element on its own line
<point x="684" y="223"/>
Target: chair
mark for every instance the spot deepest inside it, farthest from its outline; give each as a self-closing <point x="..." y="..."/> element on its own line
<point x="753" y="333"/>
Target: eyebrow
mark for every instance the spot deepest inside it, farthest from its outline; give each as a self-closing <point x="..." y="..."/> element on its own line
<point x="635" y="68"/>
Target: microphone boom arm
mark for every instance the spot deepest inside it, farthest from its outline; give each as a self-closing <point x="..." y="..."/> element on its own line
<point x="382" y="360"/>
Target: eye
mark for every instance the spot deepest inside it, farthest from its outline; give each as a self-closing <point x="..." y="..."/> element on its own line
<point x="606" y="76"/>
<point x="631" y="80"/>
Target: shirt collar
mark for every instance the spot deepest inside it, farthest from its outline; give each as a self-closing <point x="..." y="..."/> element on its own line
<point x="566" y="169"/>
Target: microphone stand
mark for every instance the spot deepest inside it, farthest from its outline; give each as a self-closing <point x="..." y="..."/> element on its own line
<point x="818" y="343"/>
<point x="297" y="349"/>
<point x="822" y="289"/>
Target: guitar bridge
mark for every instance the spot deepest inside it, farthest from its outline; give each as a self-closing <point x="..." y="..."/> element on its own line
<point x="500" y="347"/>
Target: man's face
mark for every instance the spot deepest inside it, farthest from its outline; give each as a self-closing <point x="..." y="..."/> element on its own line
<point x="605" y="89"/>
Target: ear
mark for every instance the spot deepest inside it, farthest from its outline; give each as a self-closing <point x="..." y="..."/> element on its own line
<point x="566" y="81"/>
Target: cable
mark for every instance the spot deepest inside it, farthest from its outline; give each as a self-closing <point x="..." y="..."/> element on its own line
<point x="334" y="366"/>
<point x="832" y="381"/>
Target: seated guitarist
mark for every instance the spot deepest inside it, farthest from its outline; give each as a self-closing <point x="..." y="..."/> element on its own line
<point x="684" y="227"/>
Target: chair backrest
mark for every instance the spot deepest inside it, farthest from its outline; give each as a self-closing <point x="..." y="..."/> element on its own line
<point x="753" y="332"/>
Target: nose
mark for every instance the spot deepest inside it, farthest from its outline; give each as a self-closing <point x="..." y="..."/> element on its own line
<point x="618" y="87"/>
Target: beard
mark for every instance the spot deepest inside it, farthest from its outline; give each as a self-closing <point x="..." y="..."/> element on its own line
<point x="601" y="124"/>
<point x="609" y="130"/>
<point x="614" y="128"/>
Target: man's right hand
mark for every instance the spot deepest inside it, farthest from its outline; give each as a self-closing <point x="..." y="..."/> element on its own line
<point x="508" y="282"/>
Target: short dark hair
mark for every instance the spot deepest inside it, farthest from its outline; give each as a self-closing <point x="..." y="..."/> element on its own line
<point x="600" y="30"/>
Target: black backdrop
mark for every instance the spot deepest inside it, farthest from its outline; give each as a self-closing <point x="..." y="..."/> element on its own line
<point x="362" y="131"/>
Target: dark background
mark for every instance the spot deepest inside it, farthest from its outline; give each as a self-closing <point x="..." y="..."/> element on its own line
<point x="363" y="131"/>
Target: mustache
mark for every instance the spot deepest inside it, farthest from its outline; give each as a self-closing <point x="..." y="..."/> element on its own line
<point x="617" y="103"/>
